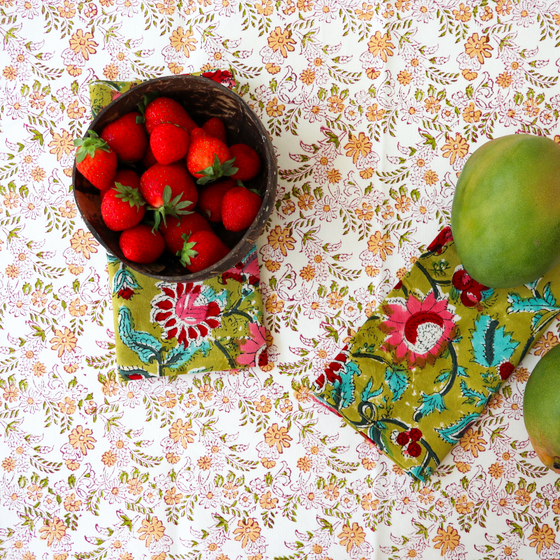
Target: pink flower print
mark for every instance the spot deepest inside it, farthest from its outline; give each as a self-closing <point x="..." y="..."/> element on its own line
<point x="185" y="313"/>
<point x="418" y="331"/>
<point x="254" y="349"/>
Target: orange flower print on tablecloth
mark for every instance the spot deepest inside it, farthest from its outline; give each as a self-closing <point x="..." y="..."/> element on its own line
<point x="61" y="144"/>
<point x="478" y="47"/>
<point x="151" y="529"/>
<point x="84" y="243"/>
<point x="281" y="239"/>
<point x="64" y="340"/>
<point x="381" y="45"/>
<point x="456" y="148"/>
<point x="247" y="530"/>
<point x="281" y="41"/>
<point x="358" y="146"/>
<point x="542" y="537"/>
<point x="180" y="432"/>
<point x="379" y="244"/>
<point x="473" y="442"/>
<point x="277" y="437"/>
<point x="184" y="41"/>
<point x="446" y="539"/>
<point x="83" y="43"/>
<point x="53" y="530"/>
<point x="351" y="537"/>
<point x="418" y="330"/>
<point x="81" y="439"/>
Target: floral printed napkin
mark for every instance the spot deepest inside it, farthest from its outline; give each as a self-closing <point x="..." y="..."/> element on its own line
<point x="422" y="368"/>
<point x="165" y="328"/>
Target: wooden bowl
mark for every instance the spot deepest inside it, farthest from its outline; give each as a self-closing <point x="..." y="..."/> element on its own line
<point x="202" y="98"/>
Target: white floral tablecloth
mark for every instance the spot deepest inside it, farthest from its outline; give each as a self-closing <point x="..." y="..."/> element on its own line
<point x="373" y="108"/>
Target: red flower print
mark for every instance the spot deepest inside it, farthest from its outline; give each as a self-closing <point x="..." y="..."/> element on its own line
<point x="414" y="449"/>
<point x="418" y="331"/>
<point x="505" y="369"/>
<point x="254" y="348"/>
<point x="415" y="434"/>
<point x="471" y="290"/>
<point x="224" y="77"/>
<point x="402" y="438"/>
<point x="187" y="311"/>
<point x="332" y="368"/>
<point x="442" y="239"/>
<point x="126" y="293"/>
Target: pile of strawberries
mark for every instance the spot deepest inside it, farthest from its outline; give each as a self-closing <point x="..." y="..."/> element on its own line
<point x="165" y="182"/>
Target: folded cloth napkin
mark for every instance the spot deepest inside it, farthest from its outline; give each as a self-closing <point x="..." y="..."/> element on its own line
<point x="422" y="368"/>
<point x="165" y="328"/>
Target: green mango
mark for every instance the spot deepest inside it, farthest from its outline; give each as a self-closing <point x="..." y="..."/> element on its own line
<point x="541" y="409"/>
<point x="505" y="216"/>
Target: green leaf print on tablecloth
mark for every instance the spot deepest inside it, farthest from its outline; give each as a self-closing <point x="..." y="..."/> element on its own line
<point x="423" y="367"/>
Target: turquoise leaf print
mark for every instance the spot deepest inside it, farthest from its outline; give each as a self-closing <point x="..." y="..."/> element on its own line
<point x="491" y="345"/>
<point x="536" y="303"/>
<point x="179" y="355"/>
<point x="144" y="344"/>
<point x="345" y="387"/>
<point x="429" y="404"/>
<point x="452" y="434"/>
<point x="397" y="381"/>
<point x="473" y="397"/>
<point x="368" y="392"/>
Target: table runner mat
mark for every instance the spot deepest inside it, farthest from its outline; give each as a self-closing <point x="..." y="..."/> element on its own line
<point x="423" y="367"/>
<point x="164" y="328"/>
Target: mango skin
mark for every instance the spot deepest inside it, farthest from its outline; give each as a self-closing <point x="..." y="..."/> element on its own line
<point x="541" y="409"/>
<point x="505" y="216"/>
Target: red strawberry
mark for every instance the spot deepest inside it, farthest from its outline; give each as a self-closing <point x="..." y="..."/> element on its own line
<point x="122" y="207"/>
<point x="216" y="127"/>
<point x="201" y="250"/>
<point x="166" y="110"/>
<point x="168" y="189"/>
<point x="148" y="159"/>
<point x="247" y="161"/>
<point x="96" y="161"/>
<point x="240" y="206"/>
<point x="141" y="244"/>
<point x="176" y="227"/>
<point x="169" y="143"/>
<point x="126" y="137"/>
<point x="208" y="158"/>
<point x="127" y="177"/>
<point x="210" y="198"/>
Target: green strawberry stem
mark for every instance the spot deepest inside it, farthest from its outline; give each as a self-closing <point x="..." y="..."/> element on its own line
<point x="175" y="207"/>
<point x="87" y="146"/>
<point x="187" y="252"/>
<point x="217" y="170"/>
<point x="130" y="195"/>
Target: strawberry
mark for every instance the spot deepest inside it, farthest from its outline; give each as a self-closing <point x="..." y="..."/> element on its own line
<point x="169" y="143"/>
<point x="176" y="227"/>
<point x="216" y="127"/>
<point x="96" y="161"/>
<point x="210" y="198"/>
<point x="165" y="110"/>
<point x="168" y="189"/>
<point x="208" y="158"/>
<point x="122" y="207"/>
<point x="201" y="250"/>
<point x="127" y="177"/>
<point x="247" y="161"/>
<point x="126" y="137"/>
<point x="140" y="244"/>
<point x="240" y="207"/>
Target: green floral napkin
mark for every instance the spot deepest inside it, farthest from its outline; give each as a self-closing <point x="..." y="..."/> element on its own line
<point x="422" y="368"/>
<point x="167" y="328"/>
